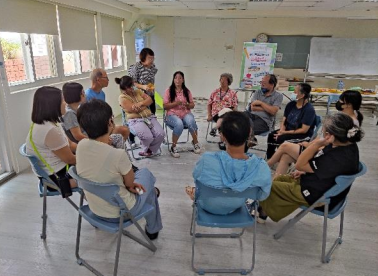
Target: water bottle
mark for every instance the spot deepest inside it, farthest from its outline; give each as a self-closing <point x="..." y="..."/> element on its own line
<point x="340" y="85"/>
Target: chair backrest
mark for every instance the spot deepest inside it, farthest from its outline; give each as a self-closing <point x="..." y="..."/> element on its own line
<point x="344" y="181"/>
<point x="33" y="160"/>
<point x="318" y="126"/>
<point x="106" y="191"/>
<point x="223" y="201"/>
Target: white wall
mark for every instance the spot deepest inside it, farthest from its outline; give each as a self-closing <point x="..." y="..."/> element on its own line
<point x="19" y="107"/>
<point x="201" y="80"/>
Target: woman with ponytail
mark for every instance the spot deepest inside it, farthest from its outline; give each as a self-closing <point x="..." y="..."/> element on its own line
<point x="350" y="103"/>
<point x="135" y="103"/>
<point x="336" y="153"/>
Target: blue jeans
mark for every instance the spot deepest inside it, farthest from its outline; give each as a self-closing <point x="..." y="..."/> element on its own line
<point x="153" y="219"/>
<point x="177" y="125"/>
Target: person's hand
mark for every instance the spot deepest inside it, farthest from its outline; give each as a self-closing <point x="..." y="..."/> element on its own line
<point x="297" y="174"/>
<point x="304" y="144"/>
<point x="325" y="141"/>
<point x="133" y="190"/>
<point x="209" y="118"/>
<point x="145" y="87"/>
<point x="257" y="103"/>
<point x="135" y="107"/>
<point x="110" y="141"/>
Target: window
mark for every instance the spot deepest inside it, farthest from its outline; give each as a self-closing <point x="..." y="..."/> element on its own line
<point x="43" y="56"/>
<point x="140" y="41"/>
<point x="18" y="50"/>
<point x="16" y="58"/>
<point x="77" y="62"/>
<point x="112" y="56"/>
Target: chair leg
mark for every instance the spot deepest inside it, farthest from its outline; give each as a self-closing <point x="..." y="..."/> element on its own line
<point x="44" y="212"/>
<point x="149" y="244"/>
<point x="324" y="242"/>
<point x="337" y="242"/>
<point x="209" y="125"/>
<point x="293" y="221"/>
<point x="118" y="246"/>
<point x="202" y="271"/>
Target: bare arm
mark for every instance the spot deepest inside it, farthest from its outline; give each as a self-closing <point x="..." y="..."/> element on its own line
<point x="301" y="130"/>
<point x="271" y="109"/>
<point x="304" y="158"/>
<point x="66" y="155"/>
<point x="77" y="134"/>
<point x="128" y="180"/>
<point x="209" y="117"/>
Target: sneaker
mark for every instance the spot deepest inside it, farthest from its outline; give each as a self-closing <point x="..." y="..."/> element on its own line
<point x="197" y="148"/>
<point x="151" y="236"/>
<point x="213" y="132"/>
<point x="174" y="152"/>
<point x="148" y="153"/>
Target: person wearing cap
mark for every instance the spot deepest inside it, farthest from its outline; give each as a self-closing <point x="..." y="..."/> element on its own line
<point x="220" y="98"/>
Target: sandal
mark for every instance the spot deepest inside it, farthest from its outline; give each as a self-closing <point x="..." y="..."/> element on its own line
<point x="190" y="191"/>
<point x="157" y="192"/>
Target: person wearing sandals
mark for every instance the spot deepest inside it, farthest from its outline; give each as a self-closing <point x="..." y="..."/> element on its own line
<point x="221" y="98"/>
<point x="178" y="102"/>
<point x="135" y="103"/>
<point x="99" y="162"/>
<point x="336" y="153"/>
<point x="232" y="168"/>
<point x="46" y="139"/>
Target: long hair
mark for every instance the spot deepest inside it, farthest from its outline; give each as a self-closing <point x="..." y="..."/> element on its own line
<point x="172" y="88"/>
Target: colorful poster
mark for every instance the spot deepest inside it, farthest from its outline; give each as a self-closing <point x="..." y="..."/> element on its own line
<point x="258" y="60"/>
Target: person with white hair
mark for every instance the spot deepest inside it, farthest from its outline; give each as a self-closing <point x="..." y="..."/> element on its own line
<point x="220" y="98"/>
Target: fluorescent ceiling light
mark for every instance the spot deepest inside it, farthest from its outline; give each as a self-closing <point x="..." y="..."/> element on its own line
<point x="162" y="0"/>
<point x="265" y="1"/>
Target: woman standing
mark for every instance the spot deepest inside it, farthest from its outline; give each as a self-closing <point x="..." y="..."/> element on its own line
<point x="178" y="102"/>
<point x="135" y="104"/>
<point x="143" y="73"/>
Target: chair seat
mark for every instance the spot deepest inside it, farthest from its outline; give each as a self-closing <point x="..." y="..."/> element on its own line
<point x="111" y="227"/>
<point x="51" y="193"/>
<point x="237" y="219"/>
<point x="331" y="214"/>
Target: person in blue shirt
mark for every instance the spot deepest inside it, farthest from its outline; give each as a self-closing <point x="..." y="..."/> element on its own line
<point x="298" y="121"/>
<point x="100" y="80"/>
<point x="233" y="168"/>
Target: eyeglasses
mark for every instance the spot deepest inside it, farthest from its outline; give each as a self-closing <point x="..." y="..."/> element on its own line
<point x="104" y="78"/>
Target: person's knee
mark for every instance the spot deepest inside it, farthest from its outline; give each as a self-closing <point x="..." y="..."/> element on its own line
<point x="178" y="128"/>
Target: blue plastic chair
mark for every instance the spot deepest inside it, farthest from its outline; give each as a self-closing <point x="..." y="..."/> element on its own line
<point x="222" y="200"/>
<point x="109" y="193"/>
<point x="342" y="183"/>
<point x="42" y="187"/>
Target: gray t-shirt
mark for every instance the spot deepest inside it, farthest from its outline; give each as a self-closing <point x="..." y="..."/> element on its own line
<point x="70" y="121"/>
<point x="274" y="99"/>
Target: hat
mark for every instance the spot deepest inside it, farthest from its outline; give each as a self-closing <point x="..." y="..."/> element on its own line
<point x="224" y="111"/>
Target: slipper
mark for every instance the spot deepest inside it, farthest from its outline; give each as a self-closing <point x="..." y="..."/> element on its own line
<point x="157" y="192"/>
<point x="190" y="191"/>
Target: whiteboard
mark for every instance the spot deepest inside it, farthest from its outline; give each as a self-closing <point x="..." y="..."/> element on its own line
<point x="208" y="43"/>
<point x="349" y="56"/>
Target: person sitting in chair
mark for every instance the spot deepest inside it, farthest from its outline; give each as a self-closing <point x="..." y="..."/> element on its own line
<point x="220" y="98"/>
<point x="298" y="121"/>
<point x="233" y="168"/>
<point x="264" y="105"/>
<point x="135" y="103"/>
<point x="317" y="168"/>
<point x="99" y="162"/>
<point x="178" y="102"/>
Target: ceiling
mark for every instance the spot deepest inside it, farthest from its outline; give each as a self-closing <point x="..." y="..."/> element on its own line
<point x="354" y="9"/>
